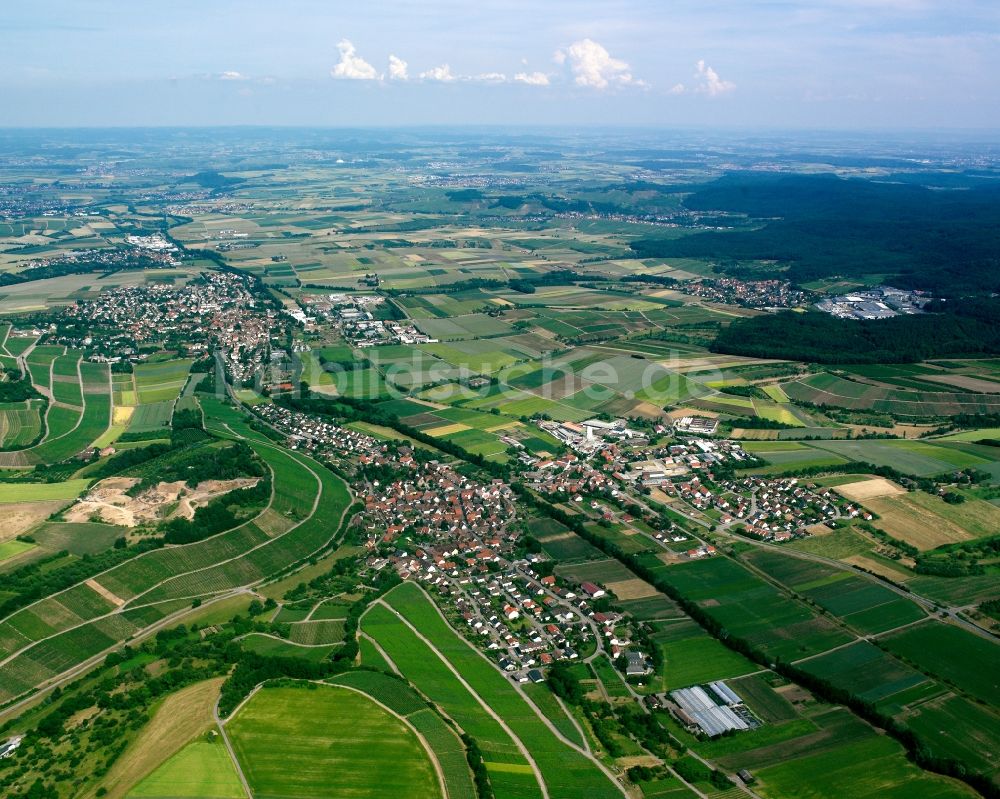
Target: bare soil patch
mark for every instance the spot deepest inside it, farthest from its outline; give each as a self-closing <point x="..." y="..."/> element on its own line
<point x="632" y="589"/>
<point x="104" y="592"/>
<point x="109" y="501"/>
<point x="870" y="489"/>
<point x="19" y="517"/>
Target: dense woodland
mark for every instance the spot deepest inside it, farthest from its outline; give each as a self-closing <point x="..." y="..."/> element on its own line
<point x="814" y="227"/>
<point x="966" y="327"/>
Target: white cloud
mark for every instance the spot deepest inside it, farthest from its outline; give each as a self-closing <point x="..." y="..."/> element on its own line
<point x="441" y="74"/>
<point x="398" y="68"/>
<point x="594" y="67"/>
<point x="232" y="75"/>
<point x="677" y="88"/>
<point x="352" y="66"/>
<point x="709" y="81"/>
<point x="489" y="77"/>
<point x="532" y="78"/>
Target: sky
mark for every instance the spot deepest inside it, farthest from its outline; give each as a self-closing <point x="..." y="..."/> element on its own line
<point x="773" y="64"/>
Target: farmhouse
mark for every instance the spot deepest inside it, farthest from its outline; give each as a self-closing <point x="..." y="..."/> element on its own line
<point x="635" y="665"/>
<point x="593" y="591"/>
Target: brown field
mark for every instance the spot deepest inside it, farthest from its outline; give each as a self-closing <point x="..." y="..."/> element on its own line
<point x="878" y="567"/>
<point x="926" y="522"/>
<point x="818" y="529"/>
<point x="648" y="410"/>
<point x="750" y="434"/>
<point x="678" y="413"/>
<point x="632" y="589"/>
<point x="182" y="717"/>
<point x="870" y="489"/>
<point x="19" y="517"/>
<point x="965" y="381"/>
<point x="114" y="599"/>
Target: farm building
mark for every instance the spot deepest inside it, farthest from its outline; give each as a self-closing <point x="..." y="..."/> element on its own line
<point x="696" y="705"/>
<point x="593" y="591"/>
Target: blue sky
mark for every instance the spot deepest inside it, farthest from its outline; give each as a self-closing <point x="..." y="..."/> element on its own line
<point x="855" y="64"/>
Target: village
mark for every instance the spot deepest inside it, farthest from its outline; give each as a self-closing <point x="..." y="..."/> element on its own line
<point x="463" y="539"/>
<point x="217" y="311"/>
<point x="325" y="440"/>
<point x="761" y="294"/>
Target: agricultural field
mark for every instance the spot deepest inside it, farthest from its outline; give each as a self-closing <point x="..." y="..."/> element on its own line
<point x="829" y="389"/>
<point x="160" y="381"/>
<point x="749" y="607"/>
<point x="475" y="431"/>
<point x="201" y="770"/>
<point x="359" y="381"/>
<point x="20" y="423"/>
<point x="319" y="741"/>
<point x="921" y="458"/>
<point x="448" y="749"/>
<point x="435" y="661"/>
<point x="924" y="520"/>
<point x="692" y="657"/>
<point x="68" y="627"/>
<point x="860" y="603"/>
<point x="954" y="655"/>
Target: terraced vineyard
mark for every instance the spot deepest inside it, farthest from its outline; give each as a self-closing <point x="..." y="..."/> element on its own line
<point x="78" y="413"/>
<point x="48" y="637"/>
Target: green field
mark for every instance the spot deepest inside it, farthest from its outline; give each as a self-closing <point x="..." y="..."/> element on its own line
<point x="962" y="658"/>
<point x="870" y="769"/>
<point x="20" y="423"/>
<point x="829" y="389"/>
<point x="65" y="627"/>
<point x="859" y="602"/>
<point x="39" y="492"/>
<point x="306" y="741"/>
<point x="749" y="607"/>
<point x="448" y="748"/>
<point x="565" y="771"/>
<point x="201" y="770"/>
<point x="151" y="416"/>
<point x="161" y="381"/>
<point x="692" y="657"/>
<point x="11" y="549"/>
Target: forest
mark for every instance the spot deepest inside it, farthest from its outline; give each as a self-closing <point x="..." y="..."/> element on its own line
<point x="962" y="328"/>
<point x="815" y="227"/>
